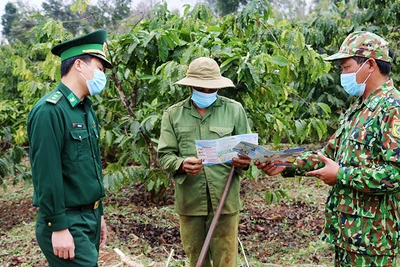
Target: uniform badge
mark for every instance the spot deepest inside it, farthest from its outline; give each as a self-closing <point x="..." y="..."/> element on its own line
<point x="396" y="128"/>
<point x="374" y="102"/>
<point x="72" y="100"/>
<point x="78" y="125"/>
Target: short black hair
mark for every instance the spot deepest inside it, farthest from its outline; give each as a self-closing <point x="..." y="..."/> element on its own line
<point x="67" y="64"/>
<point x="384" y="67"/>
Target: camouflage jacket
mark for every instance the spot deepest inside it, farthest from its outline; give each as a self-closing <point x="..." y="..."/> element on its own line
<point x="362" y="210"/>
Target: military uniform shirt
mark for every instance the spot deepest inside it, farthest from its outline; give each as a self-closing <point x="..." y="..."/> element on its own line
<point x="181" y="126"/>
<point x="362" y="209"/>
<point x="65" y="156"/>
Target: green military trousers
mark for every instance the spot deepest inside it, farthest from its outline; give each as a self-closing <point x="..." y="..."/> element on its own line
<point x="224" y="244"/>
<point x="84" y="227"/>
<point x="344" y="258"/>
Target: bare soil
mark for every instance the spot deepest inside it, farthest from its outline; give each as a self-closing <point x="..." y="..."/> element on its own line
<point x="148" y="231"/>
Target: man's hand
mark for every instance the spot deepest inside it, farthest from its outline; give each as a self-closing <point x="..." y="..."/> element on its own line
<point x="192" y="166"/>
<point x="103" y="232"/>
<point x="269" y="168"/>
<point x="327" y="174"/>
<point x="63" y="244"/>
<point x="242" y="162"/>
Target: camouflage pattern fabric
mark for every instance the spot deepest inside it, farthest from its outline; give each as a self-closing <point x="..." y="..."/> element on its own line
<point x="363" y="44"/>
<point x="362" y="209"/>
<point x="344" y="258"/>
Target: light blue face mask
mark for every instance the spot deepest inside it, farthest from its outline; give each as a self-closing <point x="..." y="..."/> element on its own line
<point x="98" y="83"/>
<point x="350" y="85"/>
<point x="203" y="100"/>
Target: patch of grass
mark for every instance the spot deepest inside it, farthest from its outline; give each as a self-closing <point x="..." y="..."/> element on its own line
<point x="19" y="246"/>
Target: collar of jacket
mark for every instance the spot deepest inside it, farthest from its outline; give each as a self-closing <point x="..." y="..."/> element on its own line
<point x="72" y="99"/>
<point x="381" y="92"/>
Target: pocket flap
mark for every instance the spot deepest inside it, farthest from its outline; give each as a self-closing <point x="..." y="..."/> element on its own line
<point x="185" y="129"/>
<point x="79" y="135"/>
<point x="221" y="131"/>
<point x="362" y="136"/>
<point x="362" y="205"/>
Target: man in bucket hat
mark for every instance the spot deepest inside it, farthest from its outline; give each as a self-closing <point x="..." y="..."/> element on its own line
<point x="362" y="159"/>
<point x="204" y="115"/>
<point x="64" y="151"/>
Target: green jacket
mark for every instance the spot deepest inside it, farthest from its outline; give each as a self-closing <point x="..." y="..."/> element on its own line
<point x="64" y="152"/>
<point x="181" y="126"/>
<point x="362" y="210"/>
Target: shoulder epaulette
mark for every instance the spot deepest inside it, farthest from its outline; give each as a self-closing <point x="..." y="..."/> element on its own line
<point x="54" y="97"/>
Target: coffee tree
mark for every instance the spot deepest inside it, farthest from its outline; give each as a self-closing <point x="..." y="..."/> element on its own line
<point x="288" y="91"/>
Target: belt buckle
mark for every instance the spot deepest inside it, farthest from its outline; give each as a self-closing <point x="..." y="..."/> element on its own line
<point x="96" y="204"/>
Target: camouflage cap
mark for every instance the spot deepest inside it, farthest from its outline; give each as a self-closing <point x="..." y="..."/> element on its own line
<point x="363" y="44"/>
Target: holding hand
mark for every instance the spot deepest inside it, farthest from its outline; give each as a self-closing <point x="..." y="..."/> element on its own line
<point x="192" y="166"/>
<point x="269" y="168"/>
<point x="242" y="162"/>
<point x="327" y="174"/>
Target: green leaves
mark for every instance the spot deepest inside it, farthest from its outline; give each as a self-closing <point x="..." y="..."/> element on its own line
<point x="11" y="167"/>
<point x="274" y="196"/>
<point x="279" y="60"/>
<point x="281" y="78"/>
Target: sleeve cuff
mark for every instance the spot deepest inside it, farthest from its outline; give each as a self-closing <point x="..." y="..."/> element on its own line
<point x="289" y="172"/>
<point x="343" y="175"/>
<point x="178" y="164"/>
<point x="57" y="222"/>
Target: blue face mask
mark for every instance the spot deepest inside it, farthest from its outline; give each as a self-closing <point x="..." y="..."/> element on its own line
<point x="98" y="83"/>
<point x="350" y="85"/>
<point x="203" y="100"/>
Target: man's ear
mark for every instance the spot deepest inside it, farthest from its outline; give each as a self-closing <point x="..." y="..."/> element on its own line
<point x="371" y="65"/>
<point x="78" y="65"/>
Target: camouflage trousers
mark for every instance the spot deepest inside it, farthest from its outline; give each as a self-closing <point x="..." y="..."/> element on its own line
<point x="344" y="258"/>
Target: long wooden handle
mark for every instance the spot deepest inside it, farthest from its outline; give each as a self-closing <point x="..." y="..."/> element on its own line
<point x="215" y="219"/>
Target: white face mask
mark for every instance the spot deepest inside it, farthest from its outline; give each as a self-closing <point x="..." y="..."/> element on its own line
<point x="98" y="83"/>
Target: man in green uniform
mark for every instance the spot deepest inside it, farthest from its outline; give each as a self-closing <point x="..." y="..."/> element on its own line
<point x="362" y="159"/>
<point x="63" y="136"/>
<point x="203" y="116"/>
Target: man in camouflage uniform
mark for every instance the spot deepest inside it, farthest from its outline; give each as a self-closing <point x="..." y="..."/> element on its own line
<point x="362" y="159"/>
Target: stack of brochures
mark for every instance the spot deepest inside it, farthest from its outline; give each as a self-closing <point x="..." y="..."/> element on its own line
<point x="262" y="154"/>
<point x="222" y="150"/>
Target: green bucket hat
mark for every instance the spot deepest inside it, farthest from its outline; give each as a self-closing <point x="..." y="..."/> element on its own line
<point x="363" y="44"/>
<point x="93" y="44"/>
<point x="204" y="72"/>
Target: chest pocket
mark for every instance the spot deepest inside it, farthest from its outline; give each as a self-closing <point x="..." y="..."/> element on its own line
<point x="362" y="136"/>
<point x="79" y="148"/>
<point x="361" y="147"/>
<point x="220" y="132"/>
<point x="185" y="136"/>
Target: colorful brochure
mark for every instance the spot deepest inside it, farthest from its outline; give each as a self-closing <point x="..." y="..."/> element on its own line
<point x="262" y="154"/>
<point x="219" y="151"/>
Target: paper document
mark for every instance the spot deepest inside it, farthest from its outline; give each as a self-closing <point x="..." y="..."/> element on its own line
<point x="218" y="151"/>
<point x="262" y="154"/>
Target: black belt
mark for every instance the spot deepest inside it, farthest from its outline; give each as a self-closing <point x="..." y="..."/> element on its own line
<point x="91" y="206"/>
